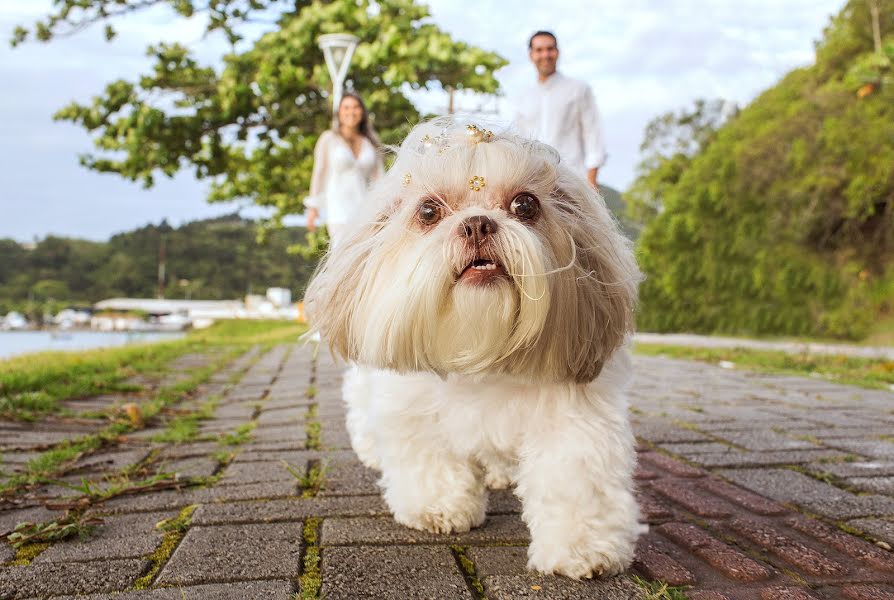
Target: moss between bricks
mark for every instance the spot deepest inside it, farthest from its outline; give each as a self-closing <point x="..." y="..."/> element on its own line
<point x="468" y="568"/>
<point x="175" y="529"/>
<point x="311" y="579"/>
<point x="312" y="429"/>
<point x="27" y="553"/>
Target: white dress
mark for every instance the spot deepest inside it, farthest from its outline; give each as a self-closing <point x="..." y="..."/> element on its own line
<point x="340" y="180"/>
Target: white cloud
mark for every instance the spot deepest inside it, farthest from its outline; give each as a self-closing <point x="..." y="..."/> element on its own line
<point x="642" y="57"/>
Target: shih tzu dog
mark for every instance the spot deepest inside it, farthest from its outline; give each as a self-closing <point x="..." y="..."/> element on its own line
<point x="484" y="303"/>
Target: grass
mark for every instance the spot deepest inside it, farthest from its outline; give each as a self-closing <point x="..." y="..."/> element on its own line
<point x="49" y="464"/>
<point x="657" y="590"/>
<point x="32" y="386"/>
<point x="239" y="436"/>
<point x="864" y="372"/>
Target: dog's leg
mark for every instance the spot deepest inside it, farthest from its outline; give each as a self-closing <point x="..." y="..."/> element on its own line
<point x="356" y="392"/>
<point x="575" y="482"/>
<point x="429" y="488"/>
<point x="499" y="470"/>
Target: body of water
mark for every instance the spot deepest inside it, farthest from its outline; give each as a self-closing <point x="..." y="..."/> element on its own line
<point x="13" y="343"/>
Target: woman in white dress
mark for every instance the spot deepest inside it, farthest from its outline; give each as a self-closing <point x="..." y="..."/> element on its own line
<point x="346" y="161"/>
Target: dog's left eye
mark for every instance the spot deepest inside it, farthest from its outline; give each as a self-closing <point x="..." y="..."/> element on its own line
<point x="525" y="206"/>
<point x="429" y="212"/>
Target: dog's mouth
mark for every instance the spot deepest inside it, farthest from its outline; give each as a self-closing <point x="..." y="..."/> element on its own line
<point x="481" y="271"/>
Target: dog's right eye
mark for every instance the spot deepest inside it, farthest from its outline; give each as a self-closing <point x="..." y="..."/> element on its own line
<point x="429" y="212"/>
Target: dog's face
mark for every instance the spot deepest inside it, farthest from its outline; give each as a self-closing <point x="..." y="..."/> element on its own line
<point x="485" y="256"/>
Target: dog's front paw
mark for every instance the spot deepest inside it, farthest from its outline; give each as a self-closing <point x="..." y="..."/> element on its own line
<point x="581" y="561"/>
<point x="439" y="520"/>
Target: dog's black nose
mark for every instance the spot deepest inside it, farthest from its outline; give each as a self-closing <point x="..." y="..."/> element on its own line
<point x="477" y="229"/>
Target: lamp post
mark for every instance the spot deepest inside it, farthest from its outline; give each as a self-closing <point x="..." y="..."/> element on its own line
<point x="338" y="48"/>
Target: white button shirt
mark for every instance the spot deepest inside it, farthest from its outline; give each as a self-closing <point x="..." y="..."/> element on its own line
<point x="562" y="112"/>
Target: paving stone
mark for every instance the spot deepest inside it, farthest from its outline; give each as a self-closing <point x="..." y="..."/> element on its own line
<point x="258" y="472"/>
<point x="756" y="459"/>
<point x="244" y="590"/>
<point x="743" y="498"/>
<point x="27" y="440"/>
<point x="236" y="411"/>
<point x="395" y="573"/>
<point x="654" y="559"/>
<point x="501" y="587"/>
<point x="875" y="448"/>
<point x="786" y="593"/>
<point x="100" y="548"/>
<point x="252" y="491"/>
<point x="881" y="529"/>
<point x="341" y="477"/>
<point x="290" y="453"/>
<point x="844" y="542"/>
<point x="363" y="530"/>
<point x="844" y="470"/>
<point x="706" y="595"/>
<point x="791" y="550"/>
<point x="502" y="570"/>
<point x="156" y="501"/>
<point x="268" y="511"/>
<point x="764" y="440"/>
<point x="69" y="578"/>
<point x="664" y="432"/>
<point x="188" y="450"/>
<point x="38" y="514"/>
<point x="691" y="499"/>
<point x="285" y="445"/>
<point x="877" y="485"/>
<point x="704" y="448"/>
<point x="286" y="416"/>
<point x="214" y="554"/>
<point x="111" y="461"/>
<point x="665" y="464"/>
<point x="866" y="592"/>
<point x="719" y="555"/>
<point x="652" y="510"/>
<point x="126" y="525"/>
<point x="279" y="435"/>
<point x="816" y="496"/>
<point x="503" y="501"/>
<point x="195" y="466"/>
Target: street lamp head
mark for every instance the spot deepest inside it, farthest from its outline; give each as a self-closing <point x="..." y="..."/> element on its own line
<point x="338" y="48"/>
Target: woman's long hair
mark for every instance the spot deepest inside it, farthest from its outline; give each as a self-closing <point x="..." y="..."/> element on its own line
<point x="365" y="127"/>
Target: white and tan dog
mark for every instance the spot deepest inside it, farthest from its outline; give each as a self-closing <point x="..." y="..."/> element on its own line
<point x="486" y="303"/>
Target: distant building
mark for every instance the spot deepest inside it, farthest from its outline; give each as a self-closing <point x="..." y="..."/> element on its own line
<point x="179" y="314"/>
<point x="280" y="297"/>
<point x="14" y="320"/>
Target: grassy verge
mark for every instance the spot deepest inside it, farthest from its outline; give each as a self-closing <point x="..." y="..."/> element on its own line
<point x="34" y="385"/>
<point x="865" y="372"/>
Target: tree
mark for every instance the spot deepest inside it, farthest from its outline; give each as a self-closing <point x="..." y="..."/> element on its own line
<point x="249" y="124"/>
<point x="670" y="142"/>
<point x="784" y="222"/>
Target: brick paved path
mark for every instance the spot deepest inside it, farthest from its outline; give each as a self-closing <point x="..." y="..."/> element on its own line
<point x="770" y="475"/>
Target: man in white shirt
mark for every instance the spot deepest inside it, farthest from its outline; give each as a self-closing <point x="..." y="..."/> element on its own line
<point x="561" y="111"/>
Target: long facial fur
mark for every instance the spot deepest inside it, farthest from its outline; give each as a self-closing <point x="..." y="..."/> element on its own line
<point x="387" y="296"/>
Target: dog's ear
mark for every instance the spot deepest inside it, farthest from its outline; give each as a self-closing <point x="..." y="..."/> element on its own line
<point x="600" y="293"/>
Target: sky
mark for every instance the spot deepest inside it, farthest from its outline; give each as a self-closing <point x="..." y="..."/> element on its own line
<point x="642" y="58"/>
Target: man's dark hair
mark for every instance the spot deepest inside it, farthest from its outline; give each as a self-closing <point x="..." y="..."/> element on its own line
<point x="536" y="33"/>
